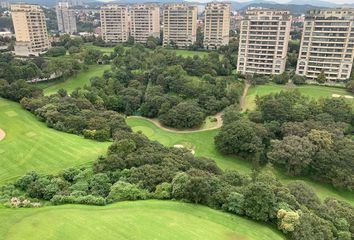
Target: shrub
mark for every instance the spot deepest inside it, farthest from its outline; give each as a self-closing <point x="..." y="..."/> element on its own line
<point x="122" y="191"/>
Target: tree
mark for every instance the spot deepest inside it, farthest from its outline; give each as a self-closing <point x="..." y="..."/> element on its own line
<point x="56" y="51"/>
<point x="151" y="42"/>
<point x="184" y="115"/>
<point x="123" y="191"/>
<point x="259" y="202"/>
<point x="321" y="78"/>
<point x="293" y="153"/>
<point x="281" y="78"/>
<point x="287" y="220"/>
<point x="350" y="86"/>
<point x="298" y="79"/>
<point x="238" y="137"/>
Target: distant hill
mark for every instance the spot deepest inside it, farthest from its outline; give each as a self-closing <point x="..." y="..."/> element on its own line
<point x="294" y="9"/>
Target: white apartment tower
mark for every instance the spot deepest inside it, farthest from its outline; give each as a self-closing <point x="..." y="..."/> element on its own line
<point x="327" y="44"/>
<point x="264" y="37"/>
<point x="30" y="29"/>
<point x="179" y="24"/>
<point x="66" y="18"/>
<point x="114" y="23"/>
<point x="145" y="21"/>
<point x="216" y="25"/>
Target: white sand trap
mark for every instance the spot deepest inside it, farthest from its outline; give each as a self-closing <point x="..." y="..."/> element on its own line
<point x="2" y="134"/>
<point x="348" y="96"/>
<point x="335" y="95"/>
<point x="181" y="146"/>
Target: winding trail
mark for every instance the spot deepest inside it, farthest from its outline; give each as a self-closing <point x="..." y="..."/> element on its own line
<point x="2" y="134"/>
<point x="218" y="117"/>
<point x="157" y="123"/>
<point x="244" y="95"/>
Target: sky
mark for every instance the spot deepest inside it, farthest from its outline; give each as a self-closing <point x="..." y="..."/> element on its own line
<point x="285" y="1"/>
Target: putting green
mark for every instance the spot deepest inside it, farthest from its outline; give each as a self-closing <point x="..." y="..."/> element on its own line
<point x="151" y="219"/>
<point x="312" y="91"/>
<point x="30" y="145"/>
<point x="203" y="143"/>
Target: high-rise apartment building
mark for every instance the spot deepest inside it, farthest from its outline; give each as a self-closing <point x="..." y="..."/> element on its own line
<point x="327" y="44"/>
<point x="66" y="18"/>
<point x="145" y="21"/>
<point x="179" y="24"/>
<point x="114" y="23"/>
<point x="30" y="29"/>
<point x="216" y="25"/>
<point x="264" y="37"/>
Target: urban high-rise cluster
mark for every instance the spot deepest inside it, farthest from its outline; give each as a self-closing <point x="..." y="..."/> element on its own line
<point x="327" y="43"/>
<point x="264" y="38"/>
<point x="30" y="29"/>
<point x="179" y="24"/>
<point x="114" y="23"/>
<point x="145" y="22"/>
<point x="66" y="18"/>
<point x="216" y="25"/>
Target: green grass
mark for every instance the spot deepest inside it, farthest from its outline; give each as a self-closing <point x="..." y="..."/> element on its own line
<point x="77" y="81"/>
<point x="30" y="145"/>
<point x="150" y="219"/>
<point x="203" y="143"/>
<point x="312" y="91"/>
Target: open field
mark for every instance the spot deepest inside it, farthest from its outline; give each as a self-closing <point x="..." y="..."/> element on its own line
<point x="30" y="145"/>
<point x="150" y="219"/>
<point x="312" y="91"/>
<point x="203" y="143"/>
<point x="77" y="81"/>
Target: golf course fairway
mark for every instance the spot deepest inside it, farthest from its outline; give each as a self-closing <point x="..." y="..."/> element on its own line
<point x="151" y="219"/>
<point x="30" y="145"/>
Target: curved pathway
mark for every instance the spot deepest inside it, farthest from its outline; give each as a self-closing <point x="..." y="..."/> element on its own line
<point x="157" y="123"/>
<point x="244" y="95"/>
<point x="2" y="134"/>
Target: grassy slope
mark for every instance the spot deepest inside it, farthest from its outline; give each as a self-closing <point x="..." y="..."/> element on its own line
<point x="31" y="145"/>
<point x="150" y="219"/>
<point x="81" y="79"/>
<point x="308" y="90"/>
<point x="203" y="143"/>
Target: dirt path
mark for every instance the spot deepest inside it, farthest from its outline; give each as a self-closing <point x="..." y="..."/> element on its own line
<point x="157" y="123"/>
<point x="2" y="134"/>
<point x="244" y="95"/>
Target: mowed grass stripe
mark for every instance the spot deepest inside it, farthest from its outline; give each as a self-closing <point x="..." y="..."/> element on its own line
<point x="150" y="219"/>
<point x="31" y="145"/>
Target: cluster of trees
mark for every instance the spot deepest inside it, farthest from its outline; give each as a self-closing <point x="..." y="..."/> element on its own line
<point x="161" y="84"/>
<point x="13" y="69"/>
<point x="302" y="136"/>
<point x="136" y="168"/>
<point x="80" y="113"/>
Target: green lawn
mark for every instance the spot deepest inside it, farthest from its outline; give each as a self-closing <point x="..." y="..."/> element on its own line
<point x="146" y="220"/>
<point x="77" y="81"/>
<point x="30" y="145"/>
<point x="203" y="143"/>
<point x="308" y="90"/>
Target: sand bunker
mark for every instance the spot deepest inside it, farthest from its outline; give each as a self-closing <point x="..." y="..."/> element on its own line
<point x="181" y="146"/>
<point x="2" y="134"/>
<point x="348" y="96"/>
<point x="345" y="96"/>
<point x="335" y="95"/>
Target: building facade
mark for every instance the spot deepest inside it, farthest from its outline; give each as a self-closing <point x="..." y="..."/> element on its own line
<point x="179" y="25"/>
<point x="145" y="21"/>
<point x="264" y="37"/>
<point x="66" y="18"/>
<point x="216" y="25"/>
<point x="30" y="29"/>
<point x="327" y="44"/>
<point x="114" y="23"/>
